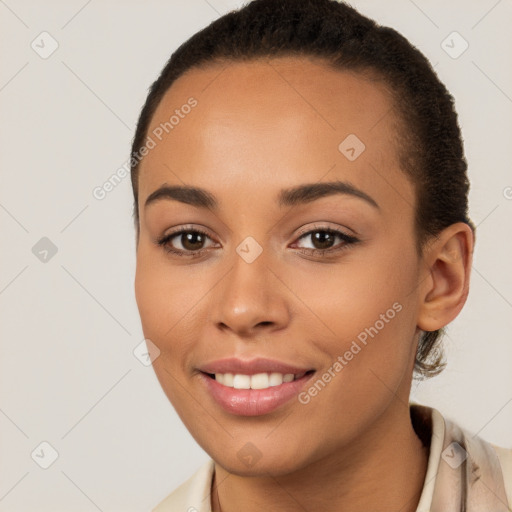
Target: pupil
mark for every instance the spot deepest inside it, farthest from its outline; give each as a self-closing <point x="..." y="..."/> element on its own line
<point x="192" y="241"/>
<point x="322" y="238"/>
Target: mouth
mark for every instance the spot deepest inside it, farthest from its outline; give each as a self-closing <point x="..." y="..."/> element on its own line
<point x="253" y="388"/>
<point x="257" y="380"/>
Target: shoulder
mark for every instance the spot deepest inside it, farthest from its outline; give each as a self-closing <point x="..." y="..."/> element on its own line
<point x="462" y="467"/>
<point x="505" y="459"/>
<point x="193" y="495"/>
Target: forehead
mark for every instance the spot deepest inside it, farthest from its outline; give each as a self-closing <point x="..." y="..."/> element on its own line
<point x="272" y="123"/>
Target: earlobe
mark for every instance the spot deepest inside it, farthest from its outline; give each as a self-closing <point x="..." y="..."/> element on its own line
<point x="448" y="260"/>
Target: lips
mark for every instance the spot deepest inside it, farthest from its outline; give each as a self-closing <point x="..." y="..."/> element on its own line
<point x="251" y="367"/>
<point x="255" y="387"/>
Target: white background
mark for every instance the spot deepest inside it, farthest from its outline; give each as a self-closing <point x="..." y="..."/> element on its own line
<point x="68" y="326"/>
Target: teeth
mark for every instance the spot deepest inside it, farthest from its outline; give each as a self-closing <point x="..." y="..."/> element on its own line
<point x="228" y="379"/>
<point x="259" y="381"/>
<point x="275" y="379"/>
<point x="256" y="381"/>
<point x="241" y="381"/>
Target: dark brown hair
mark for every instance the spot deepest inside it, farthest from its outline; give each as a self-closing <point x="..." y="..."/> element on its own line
<point x="428" y="138"/>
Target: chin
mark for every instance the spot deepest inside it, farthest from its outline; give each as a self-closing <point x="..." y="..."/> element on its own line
<point x="274" y="466"/>
<point x="256" y="455"/>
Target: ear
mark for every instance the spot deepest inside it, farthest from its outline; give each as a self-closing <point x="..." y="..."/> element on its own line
<point x="445" y="280"/>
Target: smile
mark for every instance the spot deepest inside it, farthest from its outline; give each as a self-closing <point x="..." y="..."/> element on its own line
<point x="256" y="381"/>
<point x="252" y="388"/>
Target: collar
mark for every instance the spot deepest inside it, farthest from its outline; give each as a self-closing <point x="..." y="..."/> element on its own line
<point x="464" y="473"/>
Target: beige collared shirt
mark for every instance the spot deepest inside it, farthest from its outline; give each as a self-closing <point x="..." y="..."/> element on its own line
<point x="464" y="473"/>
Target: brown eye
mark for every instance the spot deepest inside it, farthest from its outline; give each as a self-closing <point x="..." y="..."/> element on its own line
<point x="186" y="242"/>
<point x="192" y="240"/>
<point x="324" y="241"/>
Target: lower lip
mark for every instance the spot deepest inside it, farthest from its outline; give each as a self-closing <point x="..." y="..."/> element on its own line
<point x="253" y="402"/>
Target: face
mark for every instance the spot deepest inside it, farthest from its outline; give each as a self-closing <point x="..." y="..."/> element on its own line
<point x="270" y="271"/>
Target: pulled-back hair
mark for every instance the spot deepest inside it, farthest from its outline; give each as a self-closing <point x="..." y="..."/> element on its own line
<point x="428" y="139"/>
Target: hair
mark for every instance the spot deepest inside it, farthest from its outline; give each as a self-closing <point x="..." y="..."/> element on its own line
<point x="428" y="139"/>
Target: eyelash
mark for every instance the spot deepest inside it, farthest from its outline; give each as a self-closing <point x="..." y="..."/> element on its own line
<point x="348" y="240"/>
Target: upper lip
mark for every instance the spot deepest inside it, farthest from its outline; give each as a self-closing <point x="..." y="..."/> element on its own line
<point x="251" y="366"/>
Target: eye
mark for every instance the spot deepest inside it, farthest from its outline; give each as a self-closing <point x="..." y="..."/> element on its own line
<point x="193" y="242"/>
<point x="323" y="240"/>
<point x="186" y="242"/>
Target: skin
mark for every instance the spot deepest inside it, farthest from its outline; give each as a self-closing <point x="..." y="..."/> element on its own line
<point x="259" y="127"/>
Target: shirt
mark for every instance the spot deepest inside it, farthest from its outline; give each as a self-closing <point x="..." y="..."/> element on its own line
<point x="464" y="472"/>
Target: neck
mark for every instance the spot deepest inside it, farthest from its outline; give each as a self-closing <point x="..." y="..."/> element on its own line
<point x="383" y="469"/>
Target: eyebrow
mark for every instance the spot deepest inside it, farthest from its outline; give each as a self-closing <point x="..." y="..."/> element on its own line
<point x="294" y="196"/>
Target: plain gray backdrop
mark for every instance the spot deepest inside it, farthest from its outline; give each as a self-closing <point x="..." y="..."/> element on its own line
<point x="73" y="78"/>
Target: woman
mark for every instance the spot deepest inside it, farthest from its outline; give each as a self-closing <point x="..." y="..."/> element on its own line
<point x="302" y="239"/>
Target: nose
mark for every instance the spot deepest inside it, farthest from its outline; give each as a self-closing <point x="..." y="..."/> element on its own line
<point x="250" y="299"/>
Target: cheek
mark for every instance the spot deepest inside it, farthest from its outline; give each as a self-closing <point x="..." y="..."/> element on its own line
<point x="366" y="311"/>
<point x="164" y="301"/>
<point x="170" y="301"/>
<point x="358" y="289"/>
<point x="368" y="321"/>
<point x="161" y="291"/>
